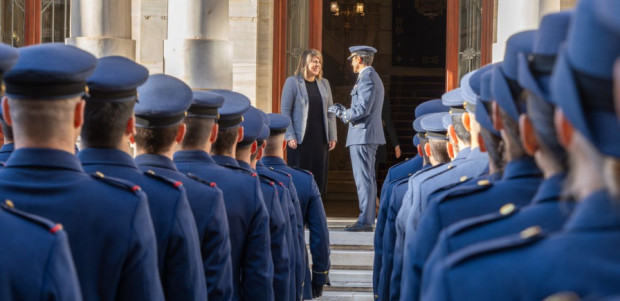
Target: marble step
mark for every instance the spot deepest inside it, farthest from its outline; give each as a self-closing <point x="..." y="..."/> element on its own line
<point x="354" y="276"/>
<point x="350" y="259"/>
<point x="364" y="240"/>
<point x="349" y="286"/>
<point x="345" y="296"/>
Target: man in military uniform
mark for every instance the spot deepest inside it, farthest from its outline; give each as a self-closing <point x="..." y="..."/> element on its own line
<point x="160" y="128"/>
<point x="108" y="125"/>
<point x="246" y="148"/>
<point x="248" y="218"/>
<point x="311" y="207"/>
<point x="365" y="132"/>
<point x="581" y="258"/>
<point x="108" y="220"/>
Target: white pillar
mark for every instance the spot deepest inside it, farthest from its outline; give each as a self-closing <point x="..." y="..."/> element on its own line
<point x="514" y="16"/>
<point x="197" y="49"/>
<point x="102" y="27"/>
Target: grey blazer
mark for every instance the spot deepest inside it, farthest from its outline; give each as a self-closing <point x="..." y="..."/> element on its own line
<point x="364" y="116"/>
<point x="294" y="104"/>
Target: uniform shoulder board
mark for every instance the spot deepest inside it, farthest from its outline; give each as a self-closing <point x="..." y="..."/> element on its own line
<point x="479" y="186"/>
<point x="45" y="223"/>
<point x="269" y="178"/>
<point x="153" y="175"/>
<point x="267" y="181"/>
<point x="201" y="180"/>
<point x="464" y="225"/>
<point x="116" y="182"/>
<point x="302" y="170"/>
<point x="241" y="169"/>
<point x="399" y="163"/>
<point x="280" y="171"/>
<point x="526" y="237"/>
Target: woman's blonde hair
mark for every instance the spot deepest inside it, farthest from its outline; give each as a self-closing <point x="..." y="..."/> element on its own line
<point x="305" y="59"/>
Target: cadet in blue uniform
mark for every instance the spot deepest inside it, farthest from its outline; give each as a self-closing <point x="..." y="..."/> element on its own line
<point x="583" y="257"/>
<point x="311" y="207"/>
<point x="545" y="209"/>
<point x="248" y="218"/>
<point x="160" y="127"/>
<point x="108" y="124"/>
<point x="246" y="148"/>
<point x="365" y="131"/>
<point x="108" y="221"/>
<point x="35" y="262"/>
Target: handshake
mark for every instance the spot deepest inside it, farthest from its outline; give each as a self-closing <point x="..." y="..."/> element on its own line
<point x="338" y="110"/>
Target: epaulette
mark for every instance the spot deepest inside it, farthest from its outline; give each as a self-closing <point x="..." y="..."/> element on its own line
<point x="272" y="180"/>
<point x="116" y="182"/>
<point x="464" y="225"/>
<point x="151" y="174"/>
<point x="237" y="168"/>
<point x="201" y="180"/>
<point x="524" y="238"/>
<point x="45" y="223"/>
<point x="481" y="185"/>
<point x="301" y="169"/>
<point x="280" y="171"/>
<point x="398" y="164"/>
<point x="266" y="181"/>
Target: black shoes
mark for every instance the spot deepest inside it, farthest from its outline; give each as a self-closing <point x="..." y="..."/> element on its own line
<point x="357" y="227"/>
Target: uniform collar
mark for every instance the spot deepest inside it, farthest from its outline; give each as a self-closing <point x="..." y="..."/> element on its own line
<point x="7" y="148"/>
<point x="155" y="160"/>
<point x="598" y="211"/>
<point x="225" y="160"/>
<point x="245" y="165"/>
<point x="463" y="153"/>
<point x="193" y="155"/>
<point x="426" y="166"/>
<point x="44" y="157"/>
<point x="522" y="167"/>
<point x="363" y="70"/>
<point x="475" y="153"/>
<point x="259" y="163"/>
<point x="549" y="190"/>
<point x="273" y="161"/>
<point x="106" y="156"/>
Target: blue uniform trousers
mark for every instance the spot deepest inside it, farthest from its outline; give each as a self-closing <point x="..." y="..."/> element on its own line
<point x="363" y="161"/>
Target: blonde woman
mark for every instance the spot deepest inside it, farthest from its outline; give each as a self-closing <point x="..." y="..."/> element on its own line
<point x="305" y="99"/>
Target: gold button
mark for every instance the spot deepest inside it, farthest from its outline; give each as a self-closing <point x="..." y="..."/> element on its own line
<point x="9" y="203"/>
<point x="450" y="166"/>
<point x="150" y="171"/>
<point x="100" y="174"/>
<point x="483" y="183"/>
<point x="530" y="232"/>
<point x="507" y="209"/>
<point x="376" y="296"/>
<point x="463" y="178"/>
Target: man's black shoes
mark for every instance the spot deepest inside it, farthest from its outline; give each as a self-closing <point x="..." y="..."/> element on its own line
<point x="357" y="227"/>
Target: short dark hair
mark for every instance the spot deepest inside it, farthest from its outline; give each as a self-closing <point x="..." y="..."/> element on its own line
<point x="511" y="128"/>
<point x="157" y="140"/>
<point x="541" y="114"/>
<point x="423" y="142"/>
<point x="105" y="123"/>
<point x="439" y="150"/>
<point x="495" y="148"/>
<point x="226" y="139"/>
<point x="7" y="130"/>
<point x="461" y="132"/>
<point x="197" y="132"/>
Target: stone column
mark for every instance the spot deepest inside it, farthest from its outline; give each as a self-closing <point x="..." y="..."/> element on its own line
<point x="102" y="27"/>
<point x="197" y="49"/>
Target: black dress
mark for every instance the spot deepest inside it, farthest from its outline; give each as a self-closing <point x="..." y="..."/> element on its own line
<point x="311" y="153"/>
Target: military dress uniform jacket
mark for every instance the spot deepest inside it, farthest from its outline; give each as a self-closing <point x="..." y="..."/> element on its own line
<point x="518" y="186"/>
<point x="35" y="262"/>
<point x="108" y="221"/>
<point x="277" y="229"/>
<point x="583" y="258"/>
<point x="248" y="222"/>
<point x="207" y="204"/>
<point x="314" y="218"/>
<point x="6" y="151"/>
<point x="179" y="260"/>
<point x="297" y="227"/>
<point x="364" y="116"/>
<point x="546" y="210"/>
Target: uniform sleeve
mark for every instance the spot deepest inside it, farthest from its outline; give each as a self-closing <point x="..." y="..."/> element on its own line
<point x="297" y="244"/>
<point x="183" y="277"/>
<point x="287" y="105"/>
<point x="386" y="115"/>
<point x="362" y="102"/>
<point x="319" y="237"/>
<point x="440" y="252"/>
<point x="256" y="265"/>
<point x="418" y="247"/>
<point x="279" y="250"/>
<point x="378" y="239"/>
<point x="389" y="239"/>
<point x="332" y="131"/>
<point x="216" y="252"/>
<point x="139" y="278"/>
<point x="301" y="239"/>
<point x="61" y="281"/>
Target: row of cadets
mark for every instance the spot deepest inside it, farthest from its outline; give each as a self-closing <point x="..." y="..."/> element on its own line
<point x="108" y="126"/>
<point x="35" y="251"/>
<point x="580" y="260"/>
<point x="312" y="211"/>
<point x="248" y="218"/>
<point x="43" y="176"/>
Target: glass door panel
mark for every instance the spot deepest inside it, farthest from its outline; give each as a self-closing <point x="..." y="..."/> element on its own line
<point x="12" y="22"/>
<point x="297" y="31"/>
